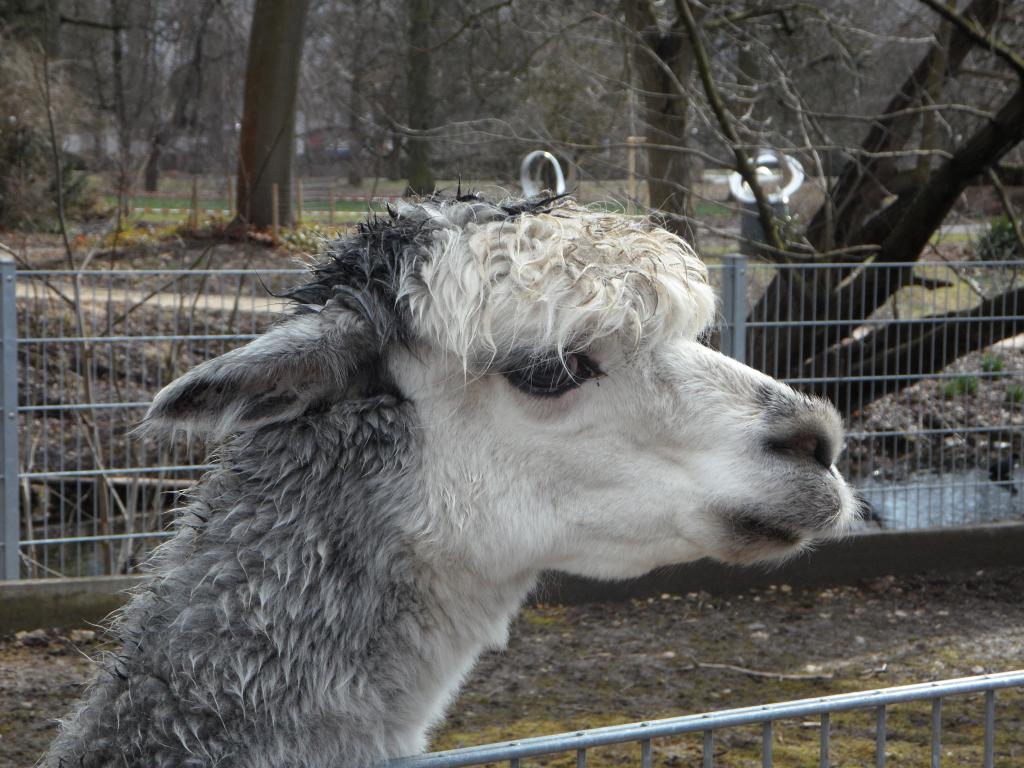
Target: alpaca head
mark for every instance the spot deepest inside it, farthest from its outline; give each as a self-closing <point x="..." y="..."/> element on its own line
<point x="567" y="415"/>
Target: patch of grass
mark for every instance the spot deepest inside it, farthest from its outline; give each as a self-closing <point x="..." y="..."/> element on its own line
<point x="220" y="203"/>
<point x="999" y="242"/>
<point x="309" y="237"/>
<point x="545" y="617"/>
<point x="1015" y="394"/>
<point x="992" y="363"/>
<point x="139" y="235"/>
<point x="960" y="386"/>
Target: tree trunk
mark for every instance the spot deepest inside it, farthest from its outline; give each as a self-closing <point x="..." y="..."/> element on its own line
<point x="267" y="144"/>
<point x="420" y="102"/>
<point x="151" y="177"/>
<point x="914" y="350"/>
<point x="666" y="111"/>
<point x="355" y="123"/>
<point x="190" y="91"/>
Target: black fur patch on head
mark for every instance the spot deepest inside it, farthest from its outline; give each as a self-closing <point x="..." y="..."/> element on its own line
<point x="366" y="270"/>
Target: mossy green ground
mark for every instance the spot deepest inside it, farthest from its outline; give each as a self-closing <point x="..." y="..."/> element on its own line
<point x="573" y="668"/>
<point x="568" y="668"/>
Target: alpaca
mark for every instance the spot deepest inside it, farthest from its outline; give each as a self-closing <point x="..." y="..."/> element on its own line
<point x="465" y="394"/>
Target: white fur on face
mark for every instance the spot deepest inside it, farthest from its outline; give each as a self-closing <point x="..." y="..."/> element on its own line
<point x="665" y="459"/>
<point x="646" y="467"/>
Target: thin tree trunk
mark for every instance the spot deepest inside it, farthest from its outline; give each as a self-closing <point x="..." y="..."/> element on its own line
<point x="151" y="176"/>
<point x="267" y="144"/>
<point x="191" y="89"/>
<point x="355" y="134"/>
<point x="420" y="102"/>
<point x="663" y="62"/>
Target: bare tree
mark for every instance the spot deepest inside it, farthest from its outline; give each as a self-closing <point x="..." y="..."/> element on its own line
<point x="267" y="143"/>
<point x="187" y="82"/>
<point x="420" y="100"/>
<point x="896" y="230"/>
<point x="664" y="64"/>
<point x="759" y="68"/>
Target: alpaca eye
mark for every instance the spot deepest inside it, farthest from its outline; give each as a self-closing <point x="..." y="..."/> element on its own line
<point x="552" y="377"/>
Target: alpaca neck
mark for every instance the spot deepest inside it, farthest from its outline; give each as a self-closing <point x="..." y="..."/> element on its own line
<point x="291" y="621"/>
<point x="467" y="616"/>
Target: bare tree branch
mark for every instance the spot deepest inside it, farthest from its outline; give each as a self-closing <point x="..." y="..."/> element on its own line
<point x="1011" y="214"/>
<point x="743" y="165"/>
<point x="978" y="35"/>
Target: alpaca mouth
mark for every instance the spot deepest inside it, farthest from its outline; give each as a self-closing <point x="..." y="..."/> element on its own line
<point x="752" y="539"/>
<point x="758" y="531"/>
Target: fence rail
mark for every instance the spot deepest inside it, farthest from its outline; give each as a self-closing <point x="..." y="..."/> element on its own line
<point x="708" y="724"/>
<point x="925" y="359"/>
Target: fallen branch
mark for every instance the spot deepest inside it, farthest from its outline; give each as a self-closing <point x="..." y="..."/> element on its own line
<point x="759" y="673"/>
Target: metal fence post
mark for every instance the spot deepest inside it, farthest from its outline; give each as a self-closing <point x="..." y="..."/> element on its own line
<point x="9" y="429"/>
<point x="734" y="306"/>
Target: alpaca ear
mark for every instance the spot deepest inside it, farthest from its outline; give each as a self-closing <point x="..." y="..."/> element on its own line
<point x="307" y="359"/>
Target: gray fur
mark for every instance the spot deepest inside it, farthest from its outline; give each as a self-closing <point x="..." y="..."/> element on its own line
<point x="288" y="621"/>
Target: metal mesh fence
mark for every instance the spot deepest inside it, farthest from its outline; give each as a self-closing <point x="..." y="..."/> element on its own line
<point x="93" y="348"/>
<point x="925" y="360"/>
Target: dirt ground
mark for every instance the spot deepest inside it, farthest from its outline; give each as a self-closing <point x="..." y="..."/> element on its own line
<point x="568" y="668"/>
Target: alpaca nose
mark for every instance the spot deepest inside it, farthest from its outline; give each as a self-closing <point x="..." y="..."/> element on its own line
<point x="800" y="428"/>
<point x="813" y="444"/>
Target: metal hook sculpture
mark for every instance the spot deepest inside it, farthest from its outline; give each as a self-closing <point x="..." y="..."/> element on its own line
<point x="529" y="176"/>
<point x="766" y="164"/>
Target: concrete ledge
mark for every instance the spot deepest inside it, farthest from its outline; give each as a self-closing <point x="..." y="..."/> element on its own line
<point x="35" y="603"/>
<point x="77" y="602"/>
<point x="897" y="553"/>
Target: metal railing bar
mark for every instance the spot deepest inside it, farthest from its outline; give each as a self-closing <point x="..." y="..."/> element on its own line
<point x="990" y="729"/>
<point x="890" y="321"/>
<point x="97" y="539"/>
<point x="712" y="265"/>
<point x="619" y="734"/>
<point x="708" y="751"/>
<point x="80" y="407"/>
<point x="133" y="339"/>
<point x="645" y="753"/>
<point x="823" y="744"/>
<point x="767" y="738"/>
<point x="581" y="758"/>
<point x="937" y="732"/>
<point x="72" y="473"/>
<point x="1004" y="429"/>
<point x="915" y="485"/>
<point x="888" y="265"/>
<point x="911" y="377"/>
<point x="850" y="435"/>
<point x="105" y="273"/>
<point x="880" y="737"/>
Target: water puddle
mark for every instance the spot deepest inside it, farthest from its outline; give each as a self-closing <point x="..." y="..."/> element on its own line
<point x="939" y="500"/>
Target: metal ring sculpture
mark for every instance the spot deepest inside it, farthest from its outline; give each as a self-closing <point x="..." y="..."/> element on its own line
<point x="529" y="176"/>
